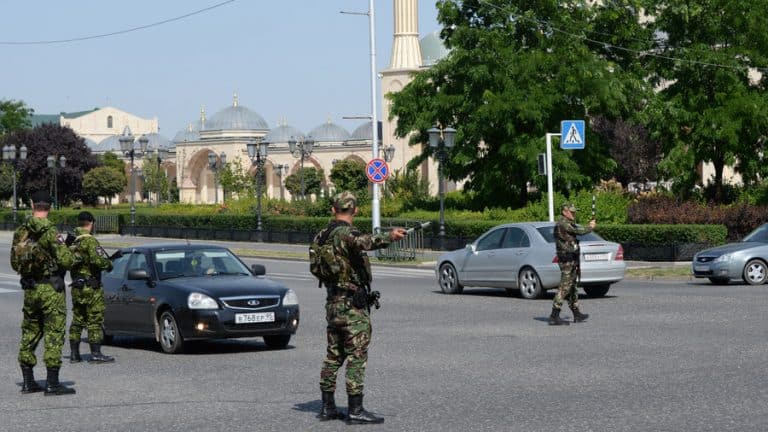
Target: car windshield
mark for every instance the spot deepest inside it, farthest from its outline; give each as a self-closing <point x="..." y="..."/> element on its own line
<point x="758" y="235"/>
<point x="548" y="232"/>
<point x="170" y="263"/>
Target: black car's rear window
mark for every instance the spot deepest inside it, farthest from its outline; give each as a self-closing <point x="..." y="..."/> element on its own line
<point x="548" y="232"/>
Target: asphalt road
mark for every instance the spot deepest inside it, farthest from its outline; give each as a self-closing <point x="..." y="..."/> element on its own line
<point x="654" y="356"/>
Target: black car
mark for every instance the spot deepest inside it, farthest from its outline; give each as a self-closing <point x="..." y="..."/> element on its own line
<point x="181" y="292"/>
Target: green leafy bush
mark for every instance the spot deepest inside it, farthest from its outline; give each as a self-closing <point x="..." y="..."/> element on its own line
<point x="663" y="234"/>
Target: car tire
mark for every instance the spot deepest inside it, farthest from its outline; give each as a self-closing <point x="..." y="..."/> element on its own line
<point x="449" y="279"/>
<point x="529" y="284"/>
<point x="719" y="281"/>
<point x="171" y="340"/>
<point x="596" y="291"/>
<point x="755" y="272"/>
<point x="277" y="341"/>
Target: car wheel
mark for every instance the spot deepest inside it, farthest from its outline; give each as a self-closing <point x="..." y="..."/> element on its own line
<point x="755" y="272"/>
<point x="277" y="341"/>
<point x="529" y="284"/>
<point x="170" y="337"/>
<point x="596" y="291"/>
<point x="449" y="279"/>
<point x="719" y="281"/>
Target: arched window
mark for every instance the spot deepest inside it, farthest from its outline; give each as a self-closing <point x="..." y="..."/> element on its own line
<point x="109" y="122"/>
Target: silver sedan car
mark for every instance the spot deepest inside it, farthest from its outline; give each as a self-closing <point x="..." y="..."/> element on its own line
<point x="521" y="256"/>
<point x="745" y="260"/>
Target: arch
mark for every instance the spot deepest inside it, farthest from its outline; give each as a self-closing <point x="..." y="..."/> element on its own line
<point x="200" y="179"/>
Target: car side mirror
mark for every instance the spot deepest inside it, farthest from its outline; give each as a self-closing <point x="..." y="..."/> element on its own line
<point x="471" y="247"/>
<point x="258" y="270"/>
<point x="138" y="274"/>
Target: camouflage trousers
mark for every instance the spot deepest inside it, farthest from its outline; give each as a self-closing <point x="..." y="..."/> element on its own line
<point x="349" y="334"/>
<point x="45" y="316"/>
<point x="87" y="313"/>
<point x="567" y="289"/>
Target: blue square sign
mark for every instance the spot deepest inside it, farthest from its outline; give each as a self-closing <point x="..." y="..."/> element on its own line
<point x="572" y="135"/>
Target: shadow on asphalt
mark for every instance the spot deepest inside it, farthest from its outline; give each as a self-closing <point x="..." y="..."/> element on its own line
<point x="500" y="292"/>
<point x="227" y="346"/>
<point x="311" y="406"/>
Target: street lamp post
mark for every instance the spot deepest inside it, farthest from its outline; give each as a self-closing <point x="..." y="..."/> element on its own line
<point x="389" y="154"/>
<point x="216" y="166"/>
<point x="258" y="154"/>
<point x="54" y="167"/>
<point x="127" y="145"/>
<point x="441" y="140"/>
<point x="158" y="155"/>
<point x="281" y="170"/>
<point x="301" y="148"/>
<point x="10" y="156"/>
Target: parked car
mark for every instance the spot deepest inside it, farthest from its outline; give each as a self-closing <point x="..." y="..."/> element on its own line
<point x="521" y="256"/>
<point x="745" y="260"/>
<point x="176" y="293"/>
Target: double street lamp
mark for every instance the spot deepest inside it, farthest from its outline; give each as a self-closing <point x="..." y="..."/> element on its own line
<point x="216" y="165"/>
<point x="10" y="156"/>
<point x="258" y="155"/>
<point x="301" y="148"/>
<point x="441" y="139"/>
<point x="128" y="146"/>
<point x="54" y="167"/>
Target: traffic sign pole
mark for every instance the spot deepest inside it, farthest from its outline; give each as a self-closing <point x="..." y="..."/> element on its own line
<point x="550" y="193"/>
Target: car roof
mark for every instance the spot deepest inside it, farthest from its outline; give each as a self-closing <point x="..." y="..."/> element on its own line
<point x="165" y="246"/>
<point x="532" y="224"/>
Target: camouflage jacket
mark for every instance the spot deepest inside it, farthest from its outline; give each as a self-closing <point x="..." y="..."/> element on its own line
<point x="62" y="258"/>
<point x="565" y="237"/>
<point x="88" y="262"/>
<point x="350" y="244"/>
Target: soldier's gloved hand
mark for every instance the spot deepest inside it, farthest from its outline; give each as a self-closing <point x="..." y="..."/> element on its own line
<point x="70" y="239"/>
<point x="396" y="234"/>
<point x="116" y="255"/>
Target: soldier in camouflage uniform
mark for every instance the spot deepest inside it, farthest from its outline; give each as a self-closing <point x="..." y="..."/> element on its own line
<point x="87" y="292"/>
<point x="568" y="254"/>
<point x="44" y="311"/>
<point x="347" y="310"/>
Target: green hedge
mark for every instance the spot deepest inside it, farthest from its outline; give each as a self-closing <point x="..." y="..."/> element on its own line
<point x="664" y="234"/>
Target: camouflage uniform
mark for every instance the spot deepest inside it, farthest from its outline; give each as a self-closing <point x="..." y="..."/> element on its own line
<point x="44" y="311"/>
<point x="568" y="259"/>
<point x="87" y="292"/>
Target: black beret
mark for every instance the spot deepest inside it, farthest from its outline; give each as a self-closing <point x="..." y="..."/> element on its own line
<point x="41" y="197"/>
<point x="85" y="217"/>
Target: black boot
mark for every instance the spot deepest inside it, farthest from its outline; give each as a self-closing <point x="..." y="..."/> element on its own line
<point x="358" y="414"/>
<point x="29" y="385"/>
<point x="554" y="318"/>
<point x="53" y="387"/>
<point x="97" y="356"/>
<point x="578" y="316"/>
<point x="329" y="411"/>
<point x="74" y="352"/>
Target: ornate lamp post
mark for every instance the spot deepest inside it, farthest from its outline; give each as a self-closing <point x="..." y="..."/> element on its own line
<point x="54" y="167"/>
<point x="127" y="145"/>
<point x="157" y="156"/>
<point x="301" y="148"/>
<point x="389" y="153"/>
<point x="10" y="156"/>
<point x="216" y="166"/>
<point x="441" y="140"/>
<point x="281" y="170"/>
<point x="258" y="154"/>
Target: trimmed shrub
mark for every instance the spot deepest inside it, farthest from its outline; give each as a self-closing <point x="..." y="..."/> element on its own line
<point x="663" y="234"/>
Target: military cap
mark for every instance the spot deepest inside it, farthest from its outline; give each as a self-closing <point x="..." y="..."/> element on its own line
<point x="41" y="197"/>
<point x="344" y="200"/>
<point x="85" y="217"/>
<point x="568" y="206"/>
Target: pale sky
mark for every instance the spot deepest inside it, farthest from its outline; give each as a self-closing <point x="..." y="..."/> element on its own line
<point x="295" y="59"/>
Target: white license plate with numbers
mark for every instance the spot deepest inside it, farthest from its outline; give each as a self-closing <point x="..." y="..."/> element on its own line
<point x="597" y="257"/>
<point x="252" y="318"/>
<point x="701" y="268"/>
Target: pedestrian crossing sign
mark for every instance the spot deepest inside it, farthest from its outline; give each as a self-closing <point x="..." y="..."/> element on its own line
<point x="572" y="135"/>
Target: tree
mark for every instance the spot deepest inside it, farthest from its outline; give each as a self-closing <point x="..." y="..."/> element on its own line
<point x="53" y="140"/>
<point x="349" y="174"/>
<point x="408" y="186"/>
<point x="233" y="178"/>
<point x="104" y="181"/>
<point x="313" y="180"/>
<point x="710" y="110"/>
<point x="113" y="161"/>
<point x="155" y="179"/>
<point x="631" y="146"/>
<point x="513" y="75"/>
<point x="14" y="115"/>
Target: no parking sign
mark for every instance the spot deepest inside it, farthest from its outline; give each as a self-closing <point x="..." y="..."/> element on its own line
<point x="377" y="170"/>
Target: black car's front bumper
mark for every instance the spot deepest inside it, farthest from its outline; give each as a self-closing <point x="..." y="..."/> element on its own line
<point x="220" y="323"/>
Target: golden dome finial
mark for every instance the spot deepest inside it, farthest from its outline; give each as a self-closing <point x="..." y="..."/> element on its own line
<point x="234" y="99"/>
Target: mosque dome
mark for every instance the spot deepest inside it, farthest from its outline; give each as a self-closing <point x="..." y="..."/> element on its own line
<point x="236" y="117"/>
<point x="91" y="144"/>
<point x="282" y="134"/>
<point x="329" y="132"/>
<point x="432" y="49"/>
<point x="157" y="141"/>
<point x="189" y="133"/>
<point x="108" y="144"/>
<point x="112" y="143"/>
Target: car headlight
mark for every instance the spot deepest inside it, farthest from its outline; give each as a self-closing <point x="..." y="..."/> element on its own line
<point x="723" y="258"/>
<point x="201" y="301"/>
<point x="290" y="298"/>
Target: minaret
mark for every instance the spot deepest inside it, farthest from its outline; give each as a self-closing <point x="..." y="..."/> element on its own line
<point x="406" y="52"/>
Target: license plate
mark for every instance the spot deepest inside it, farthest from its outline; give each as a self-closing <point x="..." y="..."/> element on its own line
<point x="701" y="268"/>
<point x="597" y="257"/>
<point x="251" y="318"/>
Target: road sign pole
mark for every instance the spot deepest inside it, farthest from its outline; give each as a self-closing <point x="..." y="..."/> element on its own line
<point x="550" y="192"/>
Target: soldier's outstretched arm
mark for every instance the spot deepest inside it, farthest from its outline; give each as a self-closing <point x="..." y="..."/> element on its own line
<point x="578" y="229"/>
<point x="373" y="241"/>
<point x="91" y="245"/>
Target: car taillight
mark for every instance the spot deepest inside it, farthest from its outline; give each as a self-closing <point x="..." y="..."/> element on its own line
<point x="555" y="260"/>
<point x="620" y="254"/>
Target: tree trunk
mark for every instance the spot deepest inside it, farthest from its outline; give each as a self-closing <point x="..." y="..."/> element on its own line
<point x="719" y="164"/>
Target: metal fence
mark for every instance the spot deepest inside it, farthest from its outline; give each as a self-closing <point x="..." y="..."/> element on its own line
<point x="410" y="248"/>
<point x="107" y="224"/>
